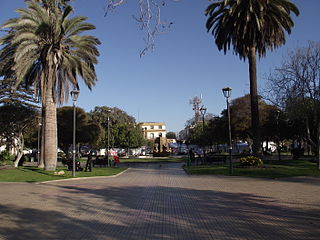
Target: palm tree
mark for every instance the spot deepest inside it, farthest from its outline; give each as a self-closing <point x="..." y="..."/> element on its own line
<point x="49" y="53"/>
<point x="251" y="27"/>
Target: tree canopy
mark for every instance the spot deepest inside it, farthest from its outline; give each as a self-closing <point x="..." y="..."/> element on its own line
<point x="250" y="27"/>
<point x="124" y="132"/>
<point x="45" y="48"/>
<point x="87" y="132"/>
<point x="16" y="121"/>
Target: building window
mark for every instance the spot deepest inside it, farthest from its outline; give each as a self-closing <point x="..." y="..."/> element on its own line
<point x="151" y="127"/>
<point x="152" y="135"/>
<point x="160" y="126"/>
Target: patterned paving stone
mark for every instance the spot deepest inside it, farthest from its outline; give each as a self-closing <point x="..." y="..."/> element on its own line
<point x="159" y="201"/>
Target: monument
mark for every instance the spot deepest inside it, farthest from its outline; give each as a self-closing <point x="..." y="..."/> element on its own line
<point x="161" y="147"/>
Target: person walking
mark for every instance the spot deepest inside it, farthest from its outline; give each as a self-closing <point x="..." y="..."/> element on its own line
<point x="89" y="163"/>
<point x="191" y="156"/>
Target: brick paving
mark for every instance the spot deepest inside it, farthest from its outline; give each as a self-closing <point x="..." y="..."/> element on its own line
<point x="159" y="201"/>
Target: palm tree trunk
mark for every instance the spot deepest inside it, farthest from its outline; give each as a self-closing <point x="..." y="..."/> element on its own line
<point x="318" y="147"/>
<point x="41" y="160"/>
<point x="50" y="132"/>
<point x="255" y="122"/>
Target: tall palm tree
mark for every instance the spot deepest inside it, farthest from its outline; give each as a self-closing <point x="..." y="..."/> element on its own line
<point x="49" y="53"/>
<point x="251" y="27"/>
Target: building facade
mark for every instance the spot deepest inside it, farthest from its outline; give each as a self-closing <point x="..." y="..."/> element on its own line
<point x="152" y="130"/>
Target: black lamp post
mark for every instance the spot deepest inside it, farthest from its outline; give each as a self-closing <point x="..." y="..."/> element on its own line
<point x="39" y="136"/>
<point x="108" y="130"/>
<point x="74" y="94"/>
<point x="227" y="93"/>
<point x="278" y="136"/>
<point x="203" y="111"/>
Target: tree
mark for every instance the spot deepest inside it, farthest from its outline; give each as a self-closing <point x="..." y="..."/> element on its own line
<point x="149" y="19"/>
<point x="16" y="120"/>
<point x="124" y="132"/>
<point x="198" y="136"/>
<point x="295" y="87"/>
<point x="87" y="132"/>
<point x="251" y="27"/>
<point x="48" y="51"/>
<point x="21" y="95"/>
<point x="241" y="119"/>
<point x="171" y="135"/>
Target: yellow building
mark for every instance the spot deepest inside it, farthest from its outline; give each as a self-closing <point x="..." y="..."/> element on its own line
<point x="152" y="130"/>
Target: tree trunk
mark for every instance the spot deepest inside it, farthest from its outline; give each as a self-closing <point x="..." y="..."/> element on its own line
<point x="310" y="141"/>
<point x="19" y="145"/>
<point x="318" y="137"/>
<point x="41" y="161"/>
<point x="50" y="132"/>
<point x="255" y="122"/>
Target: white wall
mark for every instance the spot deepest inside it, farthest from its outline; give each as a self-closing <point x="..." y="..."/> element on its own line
<point x="156" y="134"/>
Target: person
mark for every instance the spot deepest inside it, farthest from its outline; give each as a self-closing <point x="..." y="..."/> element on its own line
<point x="115" y="160"/>
<point x="191" y="154"/>
<point x="89" y="162"/>
<point x="78" y="166"/>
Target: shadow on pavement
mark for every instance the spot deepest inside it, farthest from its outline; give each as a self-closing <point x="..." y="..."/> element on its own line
<point x="159" y="212"/>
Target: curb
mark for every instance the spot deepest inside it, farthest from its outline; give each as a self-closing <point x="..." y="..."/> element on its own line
<point x="81" y="178"/>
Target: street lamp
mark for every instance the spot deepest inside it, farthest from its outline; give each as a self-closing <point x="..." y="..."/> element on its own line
<point x="227" y="93"/>
<point x="203" y="111"/>
<point x="74" y="95"/>
<point x="108" y="130"/>
<point x="39" y="136"/>
<point x="278" y="136"/>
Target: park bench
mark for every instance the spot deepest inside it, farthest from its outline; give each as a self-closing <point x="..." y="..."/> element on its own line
<point x="216" y="159"/>
<point x="100" y="161"/>
<point x="69" y="163"/>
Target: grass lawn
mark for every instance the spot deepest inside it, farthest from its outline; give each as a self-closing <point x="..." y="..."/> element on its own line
<point x="290" y="168"/>
<point x="145" y="160"/>
<point x="34" y="174"/>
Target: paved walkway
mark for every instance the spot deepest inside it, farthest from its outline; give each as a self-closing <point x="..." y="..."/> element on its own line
<point x="154" y="201"/>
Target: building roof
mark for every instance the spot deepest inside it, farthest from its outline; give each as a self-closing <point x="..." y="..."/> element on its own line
<point x="151" y="123"/>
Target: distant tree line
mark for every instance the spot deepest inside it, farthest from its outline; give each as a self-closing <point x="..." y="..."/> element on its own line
<point x="20" y="125"/>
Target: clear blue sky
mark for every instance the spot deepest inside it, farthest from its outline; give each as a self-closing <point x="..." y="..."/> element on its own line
<point x="185" y="63"/>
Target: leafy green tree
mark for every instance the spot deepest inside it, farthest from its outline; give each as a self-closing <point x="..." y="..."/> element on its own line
<point x="198" y="136"/>
<point x="251" y="27"/>
<point x="124" y="132"/>
<point x="171" y="135"/>
<point x="47" y="50"/>
<point x="87" y="132"/>
<point x="218" y="129"/>
<point x="272" y="121"/>
<point x="127" y="136"/>
<point x="241" y="117"/>
<point x="16" y="121"/>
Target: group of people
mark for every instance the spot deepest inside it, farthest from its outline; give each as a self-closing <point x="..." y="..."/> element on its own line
<point x="192" y="156"/>
<point x="89" y="162"/>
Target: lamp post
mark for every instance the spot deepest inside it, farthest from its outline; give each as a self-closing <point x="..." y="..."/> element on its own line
<point x="74" y="95"/>
<point x="278" y="136"/>
<point x="108" y="130"/>
<point x="227" y="93"/>
<point x="39" y="136"/>
<point x="203" y="111"/>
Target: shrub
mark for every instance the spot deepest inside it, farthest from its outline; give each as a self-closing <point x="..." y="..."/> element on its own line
<point x="5" y="158"/>
<point x="251" y="161"/>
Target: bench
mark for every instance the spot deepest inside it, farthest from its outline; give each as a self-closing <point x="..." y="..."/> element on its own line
<point x="216" y="159"/>
<point x="69" y="163"/>
<point x="100" y="162"/>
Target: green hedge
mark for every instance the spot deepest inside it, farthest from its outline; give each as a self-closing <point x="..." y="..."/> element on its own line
<point x="251" y="161"/>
